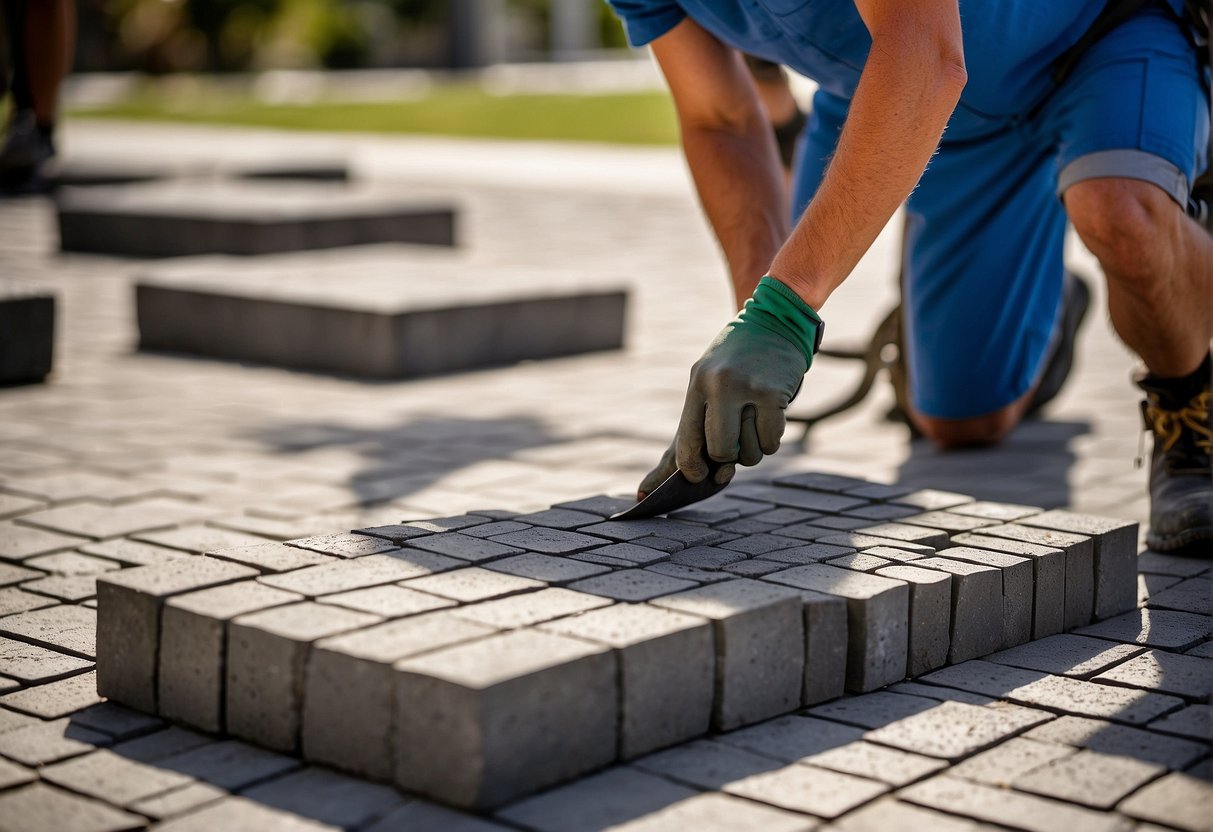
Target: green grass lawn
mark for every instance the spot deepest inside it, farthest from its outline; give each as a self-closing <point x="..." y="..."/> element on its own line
<point x="453" y="110"/>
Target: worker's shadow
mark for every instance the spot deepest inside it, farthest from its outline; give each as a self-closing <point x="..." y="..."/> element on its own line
<point x="1030" y="467"/>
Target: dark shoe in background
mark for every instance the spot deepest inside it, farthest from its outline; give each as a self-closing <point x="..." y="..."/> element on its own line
<point x="1176" y="411"/>
<point x="24" y="155"/>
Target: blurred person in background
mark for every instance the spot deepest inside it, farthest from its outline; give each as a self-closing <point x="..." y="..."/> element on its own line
<point x="1095" y="111"/>
<point x="39" y="39"/>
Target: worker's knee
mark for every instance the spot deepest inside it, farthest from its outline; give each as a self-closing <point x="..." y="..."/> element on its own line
<point x="1126" y="223"/>
<point x="988" y="429"/>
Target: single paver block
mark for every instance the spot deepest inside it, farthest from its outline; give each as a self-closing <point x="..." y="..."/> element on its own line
<point x="112" y="778"/>
<point x="1089" y="778"/>
<point x="1067" y="654"/>
<point x="175" y="220"/>
<point x="389" y="601"/>
<point x="128" y="621"/>
<point x="953" y="730"/>
<point x="530" y="608"/>
<point x="348" y="688"/>
<point x="930" y="616"/>
<point x="1018" y="590"/>
<point x="378" y="314"/>
<point x="550" y="569"/>
<point x="43" y="808"/>
<point x="1167" y="629"/>
<point x="878" y="612"/>
<point x="1177" y="800"/>
<point x="632" y="585"/>
<point x="1049" y="572"/>
<point x="1080" y="565"/>
<point x="801" y="788"/>
<point x="666" y="671"/>
<point x="976" y="607"/>
<point x="714" y="812"/>
<point x="486" y="722"/>
<point x="1187" y="676"/>
<point x="1099" y="735"/>
<point x="267" y="653"/>
<point x="1005" y="762"/>
<point x="825" y="643"/>
<point x="67" y="628"/>
<point x="607" y="800"/>
<point x="472" y="584"/>
<point x="56" y="699"/>
<point x="372" y="570"/>
<point x="30" y="663"/>
<point x="1115" y="555"/>
<point x="886" y="814"/>
<point x="27" y="332"/>
<point x="760" y="646"/>
<point x="193" y="647"/>
<point x="333" y="799"/>
<point x="994" y="805"/>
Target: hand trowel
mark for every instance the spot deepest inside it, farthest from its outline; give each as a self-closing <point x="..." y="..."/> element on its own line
<point x="675" y="493"/>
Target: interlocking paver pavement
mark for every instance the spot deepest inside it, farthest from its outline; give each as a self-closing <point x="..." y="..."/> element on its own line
<point x="118" y="446"/>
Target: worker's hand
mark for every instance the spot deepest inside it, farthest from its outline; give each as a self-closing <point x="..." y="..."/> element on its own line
<point x="739" y="389"/>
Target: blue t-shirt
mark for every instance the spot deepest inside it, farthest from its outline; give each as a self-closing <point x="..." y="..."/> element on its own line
<point x="1010" y="45"/>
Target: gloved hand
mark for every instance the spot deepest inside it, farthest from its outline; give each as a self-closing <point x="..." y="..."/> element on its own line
<point x="740" y="387"/>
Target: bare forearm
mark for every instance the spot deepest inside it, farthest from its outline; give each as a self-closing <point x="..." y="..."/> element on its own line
<point x="741" y="188"/>
<point x="905" y="96"/>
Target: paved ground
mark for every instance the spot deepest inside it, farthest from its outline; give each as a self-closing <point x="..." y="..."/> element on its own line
<point x="118" y="445"/>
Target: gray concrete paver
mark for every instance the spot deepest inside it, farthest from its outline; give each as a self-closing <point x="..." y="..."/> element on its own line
<point x="109" y="776"/>
<point x="801" y="788"/>
<point x="954" y="730"/>
<point x="56" y="699"/>
<point x="602" y="801"/>
<point x="1079" y="732"/>
<point x="326" y="797"/>
<point x="713" y="812"/>
<point x="38" y="743"/>
<point x="238" y="814"/>
<point x="1176" y="800"/>
<point x="44" y="808"/>
<point x="1187" y="676"/>
<point x="1089" y="778"/>
<point x="994" y="805"/>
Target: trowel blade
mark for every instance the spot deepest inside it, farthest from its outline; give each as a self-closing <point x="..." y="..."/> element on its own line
<point x="675" y="493"/>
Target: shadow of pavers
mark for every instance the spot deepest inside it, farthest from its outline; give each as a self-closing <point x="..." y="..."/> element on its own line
<point x="1030" y="466"/>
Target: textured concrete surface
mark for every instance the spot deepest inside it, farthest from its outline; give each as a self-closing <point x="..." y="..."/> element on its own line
<point x="120" y="445"/>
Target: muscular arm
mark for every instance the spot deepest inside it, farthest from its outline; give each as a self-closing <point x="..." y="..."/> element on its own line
<point x="729" y="148"/>
<point x="906" y="93"/>
<point x="909" y="87"/>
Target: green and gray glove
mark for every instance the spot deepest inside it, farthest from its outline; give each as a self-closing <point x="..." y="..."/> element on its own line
<point x="740" y="387"/>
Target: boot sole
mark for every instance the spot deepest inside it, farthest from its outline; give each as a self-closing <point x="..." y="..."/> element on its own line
<point x="1196" y="543"/>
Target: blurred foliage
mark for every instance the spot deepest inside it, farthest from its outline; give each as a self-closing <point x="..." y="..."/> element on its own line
<point x="457" y="109"/>
<point x="238" y="35"/>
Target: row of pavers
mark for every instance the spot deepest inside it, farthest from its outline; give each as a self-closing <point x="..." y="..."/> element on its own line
<point x="477" y="659"/>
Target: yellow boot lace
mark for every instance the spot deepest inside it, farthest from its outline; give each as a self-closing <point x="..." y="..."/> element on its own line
<point x="1169" y="425"/>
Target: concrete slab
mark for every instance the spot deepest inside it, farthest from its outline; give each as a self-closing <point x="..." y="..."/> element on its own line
<point x="376" y="312"/>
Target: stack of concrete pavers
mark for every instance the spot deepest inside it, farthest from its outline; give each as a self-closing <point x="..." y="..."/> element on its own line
<point x="27" y="332"/>
<point x="477" y="659"/>
<point x="187" y="218"/>
<point x="383" y="312"/>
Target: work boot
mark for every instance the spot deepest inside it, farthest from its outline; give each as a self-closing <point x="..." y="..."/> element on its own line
<point x="26" y="150"/>
<point x="1176" y="411"/>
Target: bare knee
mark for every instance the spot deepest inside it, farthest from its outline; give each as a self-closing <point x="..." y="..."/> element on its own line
<point x="978" y="431"/>
<point x="1127" y="224"/>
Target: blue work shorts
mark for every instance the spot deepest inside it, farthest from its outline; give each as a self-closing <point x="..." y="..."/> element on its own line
<point x="983" y="268"/>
